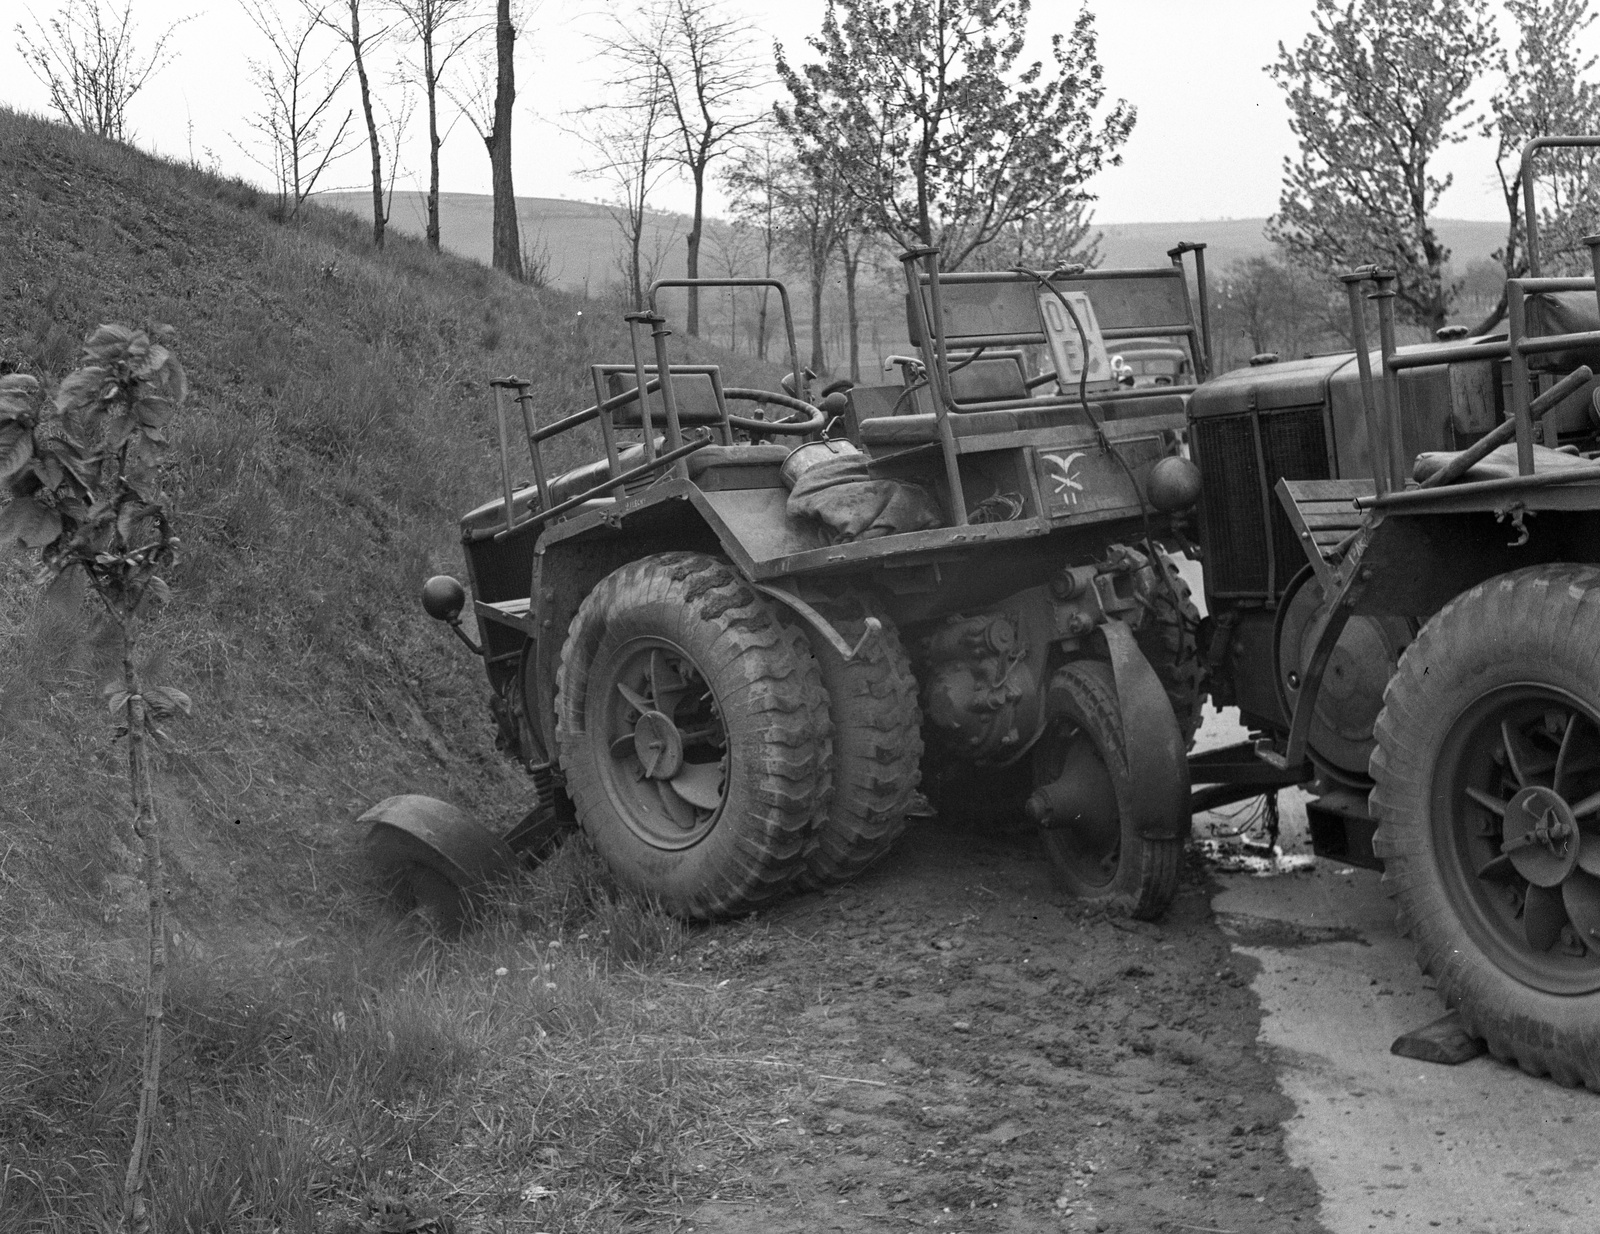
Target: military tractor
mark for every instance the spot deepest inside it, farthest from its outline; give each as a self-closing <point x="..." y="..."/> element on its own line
<point x="731" y="647"/>
<point x="1402" y="573"/>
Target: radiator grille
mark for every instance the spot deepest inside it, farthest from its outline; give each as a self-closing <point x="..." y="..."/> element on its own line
<point x="1233" y="522"/>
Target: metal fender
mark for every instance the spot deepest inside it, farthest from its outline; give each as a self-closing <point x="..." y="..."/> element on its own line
<point x="435" y="855"/>
<point x="1158" y="765"/>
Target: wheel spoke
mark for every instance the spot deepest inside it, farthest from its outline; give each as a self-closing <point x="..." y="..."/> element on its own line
<point x="1587" y="806"/>
<point x="680" y="811"/>
<point x="1580" y="894"/>
<point x="635" y="700"/>
<point x="1566" y="747"/>
<point x="1489" y="802"/>
<point x="1499" y="870"/>
<point x="1589" y="850"/>
<point x="666" y="683"/>
<point x="1524" y="763"/>
<point x="700" y="784"/>
<point x="1543" y="915"/>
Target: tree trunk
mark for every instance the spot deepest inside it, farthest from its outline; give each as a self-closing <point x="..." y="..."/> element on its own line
<point x="819" y="272"/>
<point x="761" y="323"/>
<point x="136" y="1208"/>
<point x="852" y="259"/>
<point x="507" y="244"/>
<point x="379" y="217"/>
<point x="695" y="233"/>
<point x="431" y="80"/>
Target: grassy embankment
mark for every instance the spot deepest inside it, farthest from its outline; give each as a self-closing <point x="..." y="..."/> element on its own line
<point x="546" y="1074"/>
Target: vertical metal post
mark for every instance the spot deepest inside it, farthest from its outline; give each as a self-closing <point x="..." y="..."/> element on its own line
<point x="505" y="445"/>
<point x="669" y="401"/>
<point x="642" y="384"/>
<point x="1205" y="305"/>
<point x="1394" y="430"/>
<point x="1594" y="262"/>
<point x="525" y="402"/>
<point x="1377" y="439"/>
<point x="608" y="431"/>
<point x="1517" y="321"/>
<point x="938" y="370"/>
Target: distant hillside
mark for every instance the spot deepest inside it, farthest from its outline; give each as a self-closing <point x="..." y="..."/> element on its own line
<point x="1230" y="240"/>
<point x="582" y="238"/>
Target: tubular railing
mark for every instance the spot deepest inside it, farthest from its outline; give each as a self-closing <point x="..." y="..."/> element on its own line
<point x="1390" y="464"/>
<point x="648" y="380"/>
<point x="922" y="274"/>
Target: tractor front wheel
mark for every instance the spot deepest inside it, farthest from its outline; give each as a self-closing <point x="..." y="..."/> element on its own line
<point x="1085" y="803"/>
<point x="1487" y="795"/>
<point x="694" y="733"/>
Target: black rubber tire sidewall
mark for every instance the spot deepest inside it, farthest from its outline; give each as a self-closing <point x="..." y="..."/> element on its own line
<point x="877" y="745"/>
<point x="1539" y="625"/>
<point x="774" y="712"/>
<point x="1146" y="877"/>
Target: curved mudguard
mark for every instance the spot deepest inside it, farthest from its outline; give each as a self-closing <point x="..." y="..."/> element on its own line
<point x="412" y="830"/>
<point x="1158" y="763"/>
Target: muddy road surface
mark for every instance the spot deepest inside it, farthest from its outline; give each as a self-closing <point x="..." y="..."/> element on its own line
<point x="985" y="1056"/>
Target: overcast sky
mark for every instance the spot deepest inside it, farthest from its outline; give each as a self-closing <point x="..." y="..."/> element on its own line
<point x="1210" y="141"/>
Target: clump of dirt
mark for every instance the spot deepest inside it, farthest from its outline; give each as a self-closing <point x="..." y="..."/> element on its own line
<point x="983" y="1055"/>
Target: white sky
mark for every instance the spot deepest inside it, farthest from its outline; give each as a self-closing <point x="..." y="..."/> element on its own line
<point x="1210" y="141"/>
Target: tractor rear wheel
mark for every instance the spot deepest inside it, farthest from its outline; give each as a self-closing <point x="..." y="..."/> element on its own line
<point x="877" y="744"/>
<point x="1096" y="851"/>
<point x="694" y="733"/>
<point x="1487" y="795"/>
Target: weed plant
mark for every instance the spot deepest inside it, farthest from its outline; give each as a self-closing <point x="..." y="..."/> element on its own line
<point x="339" y="422"/>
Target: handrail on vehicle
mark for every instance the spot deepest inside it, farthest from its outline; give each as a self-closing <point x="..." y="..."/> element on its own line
<point x="922" y="272"/>
<point x="645" y="384"/>
<point x="1383" y="426"/>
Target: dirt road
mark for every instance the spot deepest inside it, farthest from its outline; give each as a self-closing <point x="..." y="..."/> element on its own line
<point x="984" y="1058"/>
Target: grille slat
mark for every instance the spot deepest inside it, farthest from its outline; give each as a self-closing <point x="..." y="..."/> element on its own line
<point x="1294" y="445"/>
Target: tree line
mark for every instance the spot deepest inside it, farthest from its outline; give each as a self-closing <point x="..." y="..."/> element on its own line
<point x="902" y="124"/>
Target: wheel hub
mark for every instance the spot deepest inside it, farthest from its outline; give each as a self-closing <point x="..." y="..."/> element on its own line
<point x="1541" y="836"/>
<point x="658" y="745"/>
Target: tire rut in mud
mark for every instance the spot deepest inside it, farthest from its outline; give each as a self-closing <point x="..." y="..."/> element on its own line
<point x="973" y="1054"/>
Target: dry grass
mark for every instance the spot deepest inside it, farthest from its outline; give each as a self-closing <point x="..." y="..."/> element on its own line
<point x="338" y="425"/>
<point x="548" y="1071"/>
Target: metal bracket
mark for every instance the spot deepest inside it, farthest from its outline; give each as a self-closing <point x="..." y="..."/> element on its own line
<point x="819" y="623"/>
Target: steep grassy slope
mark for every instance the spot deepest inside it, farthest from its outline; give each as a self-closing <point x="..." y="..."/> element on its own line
<point x="339" y="422"/>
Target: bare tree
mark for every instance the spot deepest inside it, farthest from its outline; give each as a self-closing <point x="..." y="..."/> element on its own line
<point x="87" y="58"/>
<point x="815" y="209"/>
<point x="441" y="29"/>
<point x="734" y="250"/>
<point x="629" y="141"/>
<point x="300" y="86"/>
<point x="347" y="25"/>
<point x="486" y="100"/>
<point x="700" y="60"/>
<point x="753" y="182"/>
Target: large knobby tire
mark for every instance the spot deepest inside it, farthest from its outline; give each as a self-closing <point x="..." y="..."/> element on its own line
<point x="877" y="744"/>
<point x="1489" y="730"/>
<point x="1167" y="636"/>
<point x="1100" y="858"/>
<point x="694" y="733"/>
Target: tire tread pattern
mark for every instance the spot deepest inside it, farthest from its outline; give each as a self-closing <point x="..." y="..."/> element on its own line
<point x="1538" y="616"/>
<point x="770" y="676"/>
